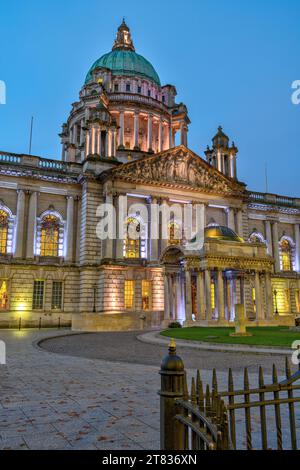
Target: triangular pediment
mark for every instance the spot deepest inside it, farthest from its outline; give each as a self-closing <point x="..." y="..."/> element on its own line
<point x="178" y="167"/>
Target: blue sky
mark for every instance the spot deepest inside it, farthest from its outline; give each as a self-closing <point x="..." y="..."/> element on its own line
<point x="233" y="63"/>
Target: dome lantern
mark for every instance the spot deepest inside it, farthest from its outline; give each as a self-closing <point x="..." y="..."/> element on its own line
<point x="123" y="40"/>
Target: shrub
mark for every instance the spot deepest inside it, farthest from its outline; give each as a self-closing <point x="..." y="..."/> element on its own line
<point x="175" y="325"/>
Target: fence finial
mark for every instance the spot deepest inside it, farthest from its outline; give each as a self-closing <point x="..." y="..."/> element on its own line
<point x="172" y="346"/>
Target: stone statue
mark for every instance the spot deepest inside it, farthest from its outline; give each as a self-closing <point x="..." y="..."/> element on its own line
<point x="240" y="322"/>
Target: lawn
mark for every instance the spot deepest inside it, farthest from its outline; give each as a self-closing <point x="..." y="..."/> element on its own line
<point x="263" y="336"/>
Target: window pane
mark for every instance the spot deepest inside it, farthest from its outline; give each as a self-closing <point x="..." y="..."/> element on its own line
<point x="146" y="295"/>
<point x="50" y="236"/>
<point x="38" y="295"/>
<point x="3" y="296"/>
<point x="129" y="294"/>
<point x="3" y="232"/>
<point x="57" y="295"/>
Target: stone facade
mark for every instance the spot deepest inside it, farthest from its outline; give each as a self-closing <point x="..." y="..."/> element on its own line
<point x="119" y="141"/>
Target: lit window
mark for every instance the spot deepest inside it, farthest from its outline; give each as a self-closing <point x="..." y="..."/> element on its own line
<point x="57" y="295"/>
<point x="129" y="294"/>
<point x="254" y="299"/>
<point x="212" y="295"/>
<point x="50" y="236"/>
<point x="135" y="242"/>
<point x="286" y="255"/>
<point x="3" y="296"/>
<point x="175" y="234"/>
<point x="3" y="232"/>
<point x="146" y="295"/>
<point x="38" y="295"/>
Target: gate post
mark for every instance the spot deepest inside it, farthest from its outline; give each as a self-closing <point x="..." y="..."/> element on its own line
<point x="172" y="388"/>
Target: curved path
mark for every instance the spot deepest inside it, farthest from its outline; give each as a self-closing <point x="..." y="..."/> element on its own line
<point x="92" y="391"/>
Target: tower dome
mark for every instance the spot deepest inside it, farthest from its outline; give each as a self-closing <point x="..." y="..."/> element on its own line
<point x="124" y="61"/>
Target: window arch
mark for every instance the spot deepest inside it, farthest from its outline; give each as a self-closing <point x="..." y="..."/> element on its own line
<point x="286" y="248"/>
<point x="175" y="233"/>
<point x="256" y="237"/>
<point x="3" y="231"/>
<point x="135" y="238"/>
<point x="50" y="235"/>
<point x="7" y="224"/>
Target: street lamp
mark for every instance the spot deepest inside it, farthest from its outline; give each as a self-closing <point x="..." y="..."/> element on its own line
<point x="276" y="305"/>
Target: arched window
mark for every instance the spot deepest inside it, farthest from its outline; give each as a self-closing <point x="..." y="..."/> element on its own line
<point x="286" y="255"/>
<point x="175" y="234"/>
<point x="3" y="232"/>
<point x="256" y="237"/>
<point x="50" y="235"/>
<point x="135" y="240"/>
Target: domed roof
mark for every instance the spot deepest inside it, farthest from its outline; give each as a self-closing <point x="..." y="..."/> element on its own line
<point x="218" y="232"/>
<point x="128" y="63"/>
<point x="124" y="61"/>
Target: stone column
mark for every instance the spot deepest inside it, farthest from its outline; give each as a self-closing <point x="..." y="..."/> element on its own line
<point x="109" y="242"/>
<point x="183" y="134"/>
<point x="179" y="299"/>
<point x="121" y="134"/>
<point x="70" y="228"/>
<point x="150" y="132"/>
<point x="208" y="295"/>
<point x="87" y="144"/>
<point x="136" y="130"/>
<point x="160" y="136"/>
<point x="81" y="132"/>
<point x="113" y="143"/>
<point x="154" y="222"/>
<point x="94" y="135"/>
<point x="221" y="307"/>
<point x="269" y="297"/>
<point x="18" y="252"/>
<point x="240" y="223"/>
<point x="106" y="150"/>
<point x="230" y="219"/>
<point x="297" y="243"/>
<point x="171" y="297"/>
<point x="276" y="246"/>
<point x="269" y="237"/>
<point x="259" y="310"/>
<point x="167" y="298"/>
<point x="188" y="296"/>
<point x="200" y="296"/>
<point x="31" y="225"/>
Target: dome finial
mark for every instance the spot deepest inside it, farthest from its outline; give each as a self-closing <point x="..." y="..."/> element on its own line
<point x="123" y="40"/>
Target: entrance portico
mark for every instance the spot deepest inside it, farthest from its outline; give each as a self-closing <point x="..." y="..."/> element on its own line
<point x="202" y="288"/>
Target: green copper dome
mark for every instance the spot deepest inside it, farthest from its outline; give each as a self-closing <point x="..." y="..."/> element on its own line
<point x="123" y="60"/>
<point x="127" y="63"/>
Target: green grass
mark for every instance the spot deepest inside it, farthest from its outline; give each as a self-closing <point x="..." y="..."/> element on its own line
<point x="263" y="336"/>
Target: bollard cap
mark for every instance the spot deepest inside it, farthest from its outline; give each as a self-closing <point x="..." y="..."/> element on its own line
<point x="172" y="362"/>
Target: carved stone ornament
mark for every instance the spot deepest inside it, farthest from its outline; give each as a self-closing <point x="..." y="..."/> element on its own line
<point x="180" y="167"/>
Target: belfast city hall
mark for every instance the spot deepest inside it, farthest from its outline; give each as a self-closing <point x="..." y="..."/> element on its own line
<point x="127" y="136"/>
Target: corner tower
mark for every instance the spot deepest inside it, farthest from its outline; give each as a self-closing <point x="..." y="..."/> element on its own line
<point x="222" y="156"/>
<point x="123" y="111"/>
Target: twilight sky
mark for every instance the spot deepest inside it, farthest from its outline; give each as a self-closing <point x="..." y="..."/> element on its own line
<point x="232" y="62"/>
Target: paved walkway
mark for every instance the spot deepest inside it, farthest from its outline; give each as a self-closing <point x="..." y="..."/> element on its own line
<point x="106" y="400"/>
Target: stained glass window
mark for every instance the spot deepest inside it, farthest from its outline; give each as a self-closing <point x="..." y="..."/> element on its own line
<point x="50" y="236"/>
<point x="132" y="244"/>
<point x="175" y="235"/>
<point x="286" y="255"/>
<point x="3" y="232"/>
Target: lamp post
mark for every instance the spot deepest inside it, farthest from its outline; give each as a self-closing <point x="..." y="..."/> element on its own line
<point x="276" y="305"/>
<point x="95" y="290"/>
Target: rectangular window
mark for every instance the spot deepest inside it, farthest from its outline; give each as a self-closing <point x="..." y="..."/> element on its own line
<point x="116" y="87"/>
<point x="139" y="89"/>
<point x="146" y="295"/>
<point x="129" y="294"/>
<point x="57" y="295"/>
<point x="163" y="98"/>
<point x="3" y="295"/>
<point x="149" y="93"/>
<point x="38" y="295"/>
<point x="127" y="86"/>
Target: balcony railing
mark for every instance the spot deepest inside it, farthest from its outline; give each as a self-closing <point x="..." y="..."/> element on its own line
<point x="136" y="98"/>
<point x="274" y="199"/>
<point x="37" y="162"/>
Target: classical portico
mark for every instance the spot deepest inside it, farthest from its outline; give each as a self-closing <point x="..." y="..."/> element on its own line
<point x="209" y="283"/>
